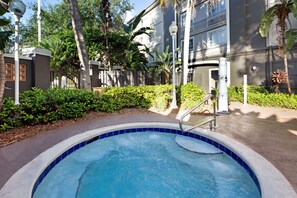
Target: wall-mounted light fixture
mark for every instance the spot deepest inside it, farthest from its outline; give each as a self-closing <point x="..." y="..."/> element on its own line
<point x="253" y="68"/>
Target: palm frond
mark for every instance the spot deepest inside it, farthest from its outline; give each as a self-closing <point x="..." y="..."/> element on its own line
<point x="136" y="21"/>
<point x="3" y="7"/>
<point x="294" y="8"/>
<point x="4" y="37"/>
<point x="4" y="21"/>
<point x="266" y="20"/>
<point x="291" y="38"/>
<point x="142" y="30"/>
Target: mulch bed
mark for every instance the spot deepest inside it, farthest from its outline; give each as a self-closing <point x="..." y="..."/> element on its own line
<point x="24" y="132"/>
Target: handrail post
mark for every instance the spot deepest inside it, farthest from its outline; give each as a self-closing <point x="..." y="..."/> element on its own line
<point x="212" y="122"/>
<point x="214" y="113"/>
<point x="210" y="125"/>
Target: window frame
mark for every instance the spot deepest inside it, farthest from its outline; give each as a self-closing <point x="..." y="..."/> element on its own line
<point x="216" y="31"/>
<point x="182" y="44"/>
<point x="10" y="72"/>
<point x="217" y="8"/>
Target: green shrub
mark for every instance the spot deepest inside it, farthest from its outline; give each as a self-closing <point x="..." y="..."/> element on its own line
<point x="190" y="95"/>
<point x="38" y="106"/>
<point x="10" y="116"/>
<point x="161" y="97"/>
<point x="260" y="96"/>
<point x="138" y="96"/>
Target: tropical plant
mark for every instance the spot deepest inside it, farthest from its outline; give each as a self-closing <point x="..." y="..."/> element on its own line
<point x="56" y="23"/>
<point x="278" y="77"/>
<point x="280" y="11"/>
<point x="3" y="39"/>
<point x="135" y="57"/>
<point x="164" y="63"/>
<point x="55" y="45"/>
<point x="131" y="28"/>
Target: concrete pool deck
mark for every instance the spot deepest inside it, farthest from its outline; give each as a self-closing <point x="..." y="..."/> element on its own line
<point x="270" y="132"/>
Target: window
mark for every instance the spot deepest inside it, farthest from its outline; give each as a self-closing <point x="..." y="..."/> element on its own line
<point x="217" y="37"/>
<point x="183" y="20"/>
<point x="215" y="6"/>
<point x="202" y="44"/>
<point x="10" y="72"/>
<point x="191" y="45"/>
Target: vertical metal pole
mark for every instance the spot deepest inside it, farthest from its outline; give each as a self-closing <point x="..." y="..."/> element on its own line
<point x="215" y="113"/>
<point x="245" y="89"/>
<point x="174" y="105"/>
<point x="39" y="21"/>
<point x="16" y="61"/>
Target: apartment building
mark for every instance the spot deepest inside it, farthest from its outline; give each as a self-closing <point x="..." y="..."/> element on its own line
<point x="209" y="40"/>
<point x="224" y="28"/>
<point x="159" y="20"/>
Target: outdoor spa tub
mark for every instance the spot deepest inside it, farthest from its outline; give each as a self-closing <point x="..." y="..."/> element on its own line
<point x="148" y="160"/>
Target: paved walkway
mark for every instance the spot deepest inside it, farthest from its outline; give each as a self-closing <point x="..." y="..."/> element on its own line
<point x="271" y="132"/>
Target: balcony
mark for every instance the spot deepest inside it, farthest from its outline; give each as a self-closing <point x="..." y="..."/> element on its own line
<point x="205" y="24"/>
<point x="204" y="54"/>
<point x="217" y="18"/>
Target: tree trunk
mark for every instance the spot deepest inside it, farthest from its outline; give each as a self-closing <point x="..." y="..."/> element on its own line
<point x="186" y="42"/>
<point x="107" y="24"/>
<point x="2" y="78"/>
<point x="60" y="77"/>
<point x="80" y="43"/>
<point x="107" y="56"/>
<point x="167" y="77"/>
<point x="287" y="71"/>
<point x="286" y="63"/>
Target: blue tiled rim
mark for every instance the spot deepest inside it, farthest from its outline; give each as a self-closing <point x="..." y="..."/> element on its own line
<point x="163" y="130"/>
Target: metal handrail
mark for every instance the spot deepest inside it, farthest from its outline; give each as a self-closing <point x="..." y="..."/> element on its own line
<point x="212" y="122"/>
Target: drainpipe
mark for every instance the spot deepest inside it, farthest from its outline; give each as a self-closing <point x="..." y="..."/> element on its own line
<point x="270" y="50"/>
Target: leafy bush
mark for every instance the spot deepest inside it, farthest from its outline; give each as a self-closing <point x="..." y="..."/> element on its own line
<point x="138" y="96"/>
<point x="38" y="106"/>
<point x="260" y="96"/>
<point x="10" y="115"/>
<point x="190" y="95"/>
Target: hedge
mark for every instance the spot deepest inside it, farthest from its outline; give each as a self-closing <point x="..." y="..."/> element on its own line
<point x="38" y="106"/>
<point x="261" y="97"/>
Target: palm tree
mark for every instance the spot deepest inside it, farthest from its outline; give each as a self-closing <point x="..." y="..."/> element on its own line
<point x="2" y="77"/>
<point x="3" y="39"/>
<point x="279" y="11"/>
<point x="54" y="44"/>
<point x="81" y="45"/>
<point x="164" y="63"/>
<point x="106" y="24"/>
<point x="131" y="28"/>
<point x="134" y="57"/>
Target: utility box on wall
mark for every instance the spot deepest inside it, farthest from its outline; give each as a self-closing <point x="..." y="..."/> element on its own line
<point x="34" y="70"/>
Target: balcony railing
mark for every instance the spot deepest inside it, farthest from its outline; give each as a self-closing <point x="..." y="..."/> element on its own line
<point x="206" y="23"/>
